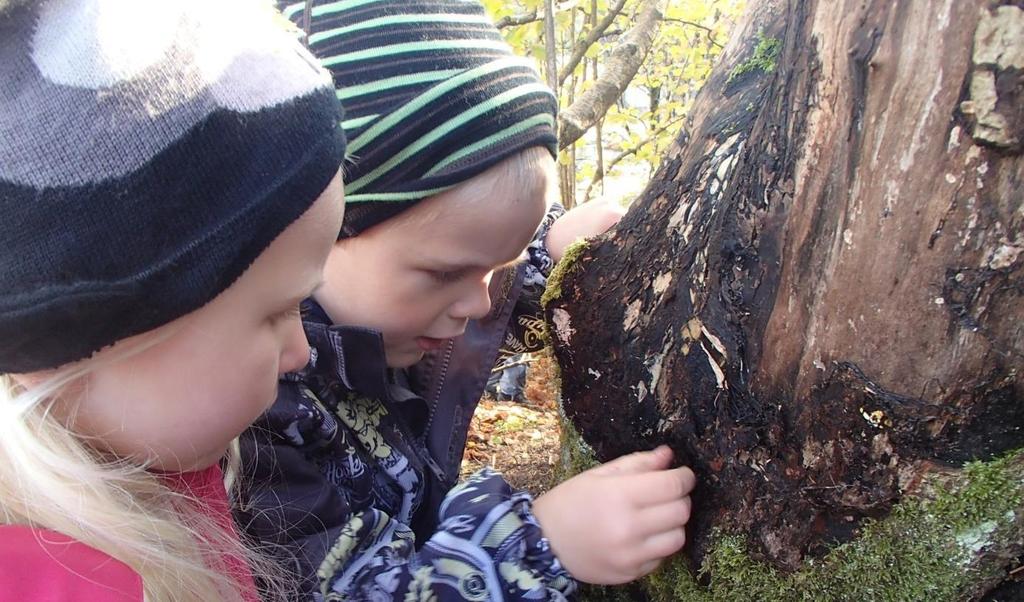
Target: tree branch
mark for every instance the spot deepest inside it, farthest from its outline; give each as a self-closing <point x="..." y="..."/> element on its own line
<point x="611" y="164"/>
<point x="708" y="30"/>
<point x="621" y="66"/>
<point x="592" y="36"/>
<point x="515" y="20"/>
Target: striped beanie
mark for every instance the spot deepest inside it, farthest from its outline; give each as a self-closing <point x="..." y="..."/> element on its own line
<point x="151" y="151"/>
<point x="433" y="96"/>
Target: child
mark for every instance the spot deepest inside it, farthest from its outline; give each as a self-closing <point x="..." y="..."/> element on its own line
<point x="451" y="171"/>
<point x="169" y="190"/>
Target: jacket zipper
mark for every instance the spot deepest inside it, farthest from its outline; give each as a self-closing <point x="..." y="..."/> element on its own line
<point x="434" y="400"/>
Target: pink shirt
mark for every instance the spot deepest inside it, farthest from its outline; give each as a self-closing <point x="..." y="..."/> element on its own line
<point x="39" y="565"/>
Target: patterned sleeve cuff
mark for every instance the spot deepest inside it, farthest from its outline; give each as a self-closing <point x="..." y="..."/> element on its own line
<point x="539" y="257"/>
<point x="539" y="555"/>
<point x="486" y="509"/>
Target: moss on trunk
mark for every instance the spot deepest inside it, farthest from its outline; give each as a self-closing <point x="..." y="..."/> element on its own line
<point x="924" y="550"/>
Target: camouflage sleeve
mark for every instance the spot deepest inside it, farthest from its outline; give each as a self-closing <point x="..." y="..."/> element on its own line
<point x="526" y="326"/>
<point x="488" y="546"/>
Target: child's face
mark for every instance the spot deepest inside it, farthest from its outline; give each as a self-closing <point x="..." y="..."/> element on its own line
<point x="420" y="277"/>
<point x="209" y="374"/>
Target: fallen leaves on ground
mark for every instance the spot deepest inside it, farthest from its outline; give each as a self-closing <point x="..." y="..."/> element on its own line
<point x="521" y="440"/>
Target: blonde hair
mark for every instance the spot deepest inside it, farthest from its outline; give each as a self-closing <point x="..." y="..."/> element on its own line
<point x="51" y="478"/>
<point x="532" y="171"/>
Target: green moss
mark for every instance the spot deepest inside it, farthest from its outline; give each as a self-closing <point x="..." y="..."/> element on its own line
<point x="565" y="266"/>
<point x="673" y="582"/>
<point x="921" y="551"/>
<point x="576" y="455"/>
<point x="766" y="53"/>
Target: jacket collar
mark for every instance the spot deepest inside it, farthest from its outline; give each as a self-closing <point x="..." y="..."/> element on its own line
<point x="353" y="355"/>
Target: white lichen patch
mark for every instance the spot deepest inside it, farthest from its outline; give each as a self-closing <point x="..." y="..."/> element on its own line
<point x="655" y="363"/>
<point x="998" y="45"/>
<point x="691" y="330"/>
<point x="724" y="167"/>
<point x="999" y="39"/>
<point x="676" y="220"/>
<point x="670" y="420"/>
<point x="632" y="315"/>
<point x="1005" y="256"/>
<point x="875" y="418"/>
<point x="990" y="125"/>
<point x="973" y="541"/>
<point x="954" y="139"/>
<point x="727" y="145"/>
<point x="716" y="343"/>
<point x="594" y="373"/>
<point x="563" y="325"/>
<point x="973" y="153"/>
<point x="661" y="283"/>
<point x="719" y="375"/>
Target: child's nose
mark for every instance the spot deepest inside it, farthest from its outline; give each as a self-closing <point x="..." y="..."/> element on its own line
<point x="295" y="354"/>
<point x="475" y="302"/>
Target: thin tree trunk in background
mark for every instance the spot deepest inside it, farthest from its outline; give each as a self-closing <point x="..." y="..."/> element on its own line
<point x="599" y="138"/>
<point x="550" y="48"/>
<point x="818" y="302"/>
<point x="621" y="66"/>
<point x="567" y="169"/>
<point x="597" y="29"/>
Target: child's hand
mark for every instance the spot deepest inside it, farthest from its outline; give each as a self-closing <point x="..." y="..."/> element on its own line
<point x="615" y="523"/>
<point x="583" y="221"/>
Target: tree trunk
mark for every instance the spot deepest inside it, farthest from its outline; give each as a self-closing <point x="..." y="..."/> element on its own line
<point x="817" y="302"/>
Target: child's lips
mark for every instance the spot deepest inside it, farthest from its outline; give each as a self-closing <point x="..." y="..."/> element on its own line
<point x="430" y="343"/>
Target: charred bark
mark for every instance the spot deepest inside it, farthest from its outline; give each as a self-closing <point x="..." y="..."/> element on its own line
<point x="818" y="302"/>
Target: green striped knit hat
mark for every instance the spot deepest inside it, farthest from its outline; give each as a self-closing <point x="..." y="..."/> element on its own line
<point x="433" y="96"/>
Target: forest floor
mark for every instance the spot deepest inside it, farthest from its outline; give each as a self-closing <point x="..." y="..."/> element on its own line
<point x="520" y="440"/>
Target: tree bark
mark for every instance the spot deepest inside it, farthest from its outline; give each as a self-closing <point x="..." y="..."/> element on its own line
<point x="817" y="302"/>
<point x="622" y="64"/>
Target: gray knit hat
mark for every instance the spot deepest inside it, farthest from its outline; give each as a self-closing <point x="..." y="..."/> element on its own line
<point x="432" y="94"/>
<point x="151" y="151"/>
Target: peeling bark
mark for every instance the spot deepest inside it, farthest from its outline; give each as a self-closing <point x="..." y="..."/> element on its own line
<point x="817" y="302"/>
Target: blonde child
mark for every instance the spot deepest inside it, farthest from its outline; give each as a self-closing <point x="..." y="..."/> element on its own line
<point x="449" y="177"/>
<point x="169" y="191"/>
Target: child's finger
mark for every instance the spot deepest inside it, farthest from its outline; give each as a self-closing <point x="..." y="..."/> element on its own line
<point x="667" y="543"/>
<point x="649" y="567"/>
<point x="661" y="518"/>
<point x="656" y="459"/>
<point x="654" y="488"/>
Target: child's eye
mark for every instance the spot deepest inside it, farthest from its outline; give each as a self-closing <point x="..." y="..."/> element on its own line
<point x="291" y="312"/>
<point x="446" y="276"/>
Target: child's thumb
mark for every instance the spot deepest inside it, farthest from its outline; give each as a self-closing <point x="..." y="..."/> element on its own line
<point x="658" y="458"/>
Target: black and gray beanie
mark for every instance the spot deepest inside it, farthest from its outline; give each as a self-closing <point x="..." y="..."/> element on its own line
<point x="432" y="94"/>
<point x="149" y="152"/>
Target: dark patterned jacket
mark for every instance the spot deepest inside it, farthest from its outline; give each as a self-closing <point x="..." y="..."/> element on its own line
<point x="351" y="475"/>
